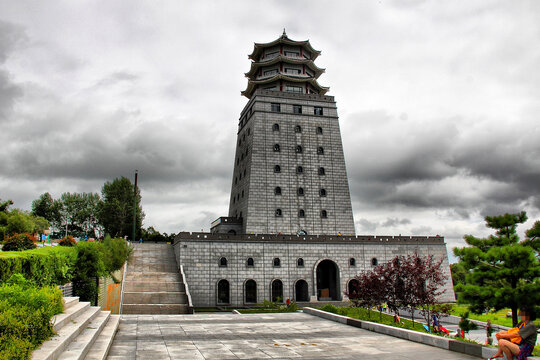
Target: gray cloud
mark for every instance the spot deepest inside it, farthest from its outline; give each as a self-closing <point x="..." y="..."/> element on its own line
<point x="438" y="106"/>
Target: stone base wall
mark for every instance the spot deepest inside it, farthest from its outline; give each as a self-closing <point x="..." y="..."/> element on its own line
<point x="200" y="256"/>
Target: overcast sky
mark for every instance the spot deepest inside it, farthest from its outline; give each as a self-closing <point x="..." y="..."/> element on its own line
<point x="439" y="104"/>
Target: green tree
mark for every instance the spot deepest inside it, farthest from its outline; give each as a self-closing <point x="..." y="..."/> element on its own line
<point x="79" y="213"/>
<point x="116" y="209"/>
<point x="502" y="272"/>
<point x="459" y="273"/>
<point x="48" y="208"/>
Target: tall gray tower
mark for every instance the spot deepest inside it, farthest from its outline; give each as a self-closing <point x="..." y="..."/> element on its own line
<point x="289" y="169"/>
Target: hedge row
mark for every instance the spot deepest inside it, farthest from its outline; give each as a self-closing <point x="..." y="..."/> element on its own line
<point x="25" y="316"/>
<point x="57" y="265"/>
<point x="44" y="266"/>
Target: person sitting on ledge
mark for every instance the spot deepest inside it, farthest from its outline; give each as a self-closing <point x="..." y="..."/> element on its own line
<point x="518" y="342"/>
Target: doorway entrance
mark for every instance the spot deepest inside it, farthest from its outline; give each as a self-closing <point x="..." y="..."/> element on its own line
<point x="328" y="281"/>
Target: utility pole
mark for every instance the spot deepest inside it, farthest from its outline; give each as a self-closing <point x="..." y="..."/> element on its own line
<point x="135" y="207"/>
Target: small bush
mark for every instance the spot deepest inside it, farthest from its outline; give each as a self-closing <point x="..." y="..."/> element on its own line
<point x="89" y="267"/>
<point x="25" y="316"/>
<point x="19" y="242"/>
<point x="68" y="241"/>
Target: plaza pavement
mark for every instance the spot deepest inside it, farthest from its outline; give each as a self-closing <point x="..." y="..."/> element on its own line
<point x="259" y="336"/>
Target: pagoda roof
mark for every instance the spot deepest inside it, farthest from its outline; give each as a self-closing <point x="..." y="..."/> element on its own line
<point x="255" y="65"/>
<point x="283" y="39"/>
<point x="252" y="84"/>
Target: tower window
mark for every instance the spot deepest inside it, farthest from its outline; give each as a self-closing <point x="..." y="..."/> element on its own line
<point x="275" y="127"/>
<point x="300" y="262"/>
<point x="294" y="89"/>
<point x="320" y="150"/>
<point x="297" y="109"/>
<point x="374" y="262"/>
<point x="319" y="130"/>
<point x="322" y="192"/>
<point x="301" y="213"/>
<point x="250" y="262"/>
<point x="297" y="129"/>
<point x="324" y="214"/>
<point x="235" y="180"/>
<point x="352" y="262"/>
<point x="321" y="171"/>
<point x="300" y="191"/>
<point x="242" y="195"/>
<point x="244" y="172"/>
<point x="276" y="147"/>
<point x="279" y="213"/>
<point x="277" y="190"/>
<point x="317" y="110"/>
<point x="277" y="107"/>
<point x="299" y="170"/>
<point x="277" y="168"/>
<point x="299" y="149"/>
<point x="249" y="131"/>
<point x="223" y="262"/>
<point x="276" y="262"/>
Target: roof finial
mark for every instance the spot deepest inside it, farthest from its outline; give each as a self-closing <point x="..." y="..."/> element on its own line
<point x="284" y="33"/>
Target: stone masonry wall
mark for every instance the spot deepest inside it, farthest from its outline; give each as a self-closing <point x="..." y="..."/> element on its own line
<point x="200" y="257"/>
<point x="254" y="178"/>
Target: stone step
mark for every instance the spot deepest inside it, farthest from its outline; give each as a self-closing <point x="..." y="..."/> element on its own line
<point x="154" y="309"/>
<point x="52" y="348"/>
<point x="166" y="268"/>
<point x="101" y="346"/>
<point x="155" y="298"/>
<point x="70" y="301"/>
<point x="70" y="313"/>
<point x="80" y="346"/>
<point x="153" y="277"/>
<point x="134" y="286"/>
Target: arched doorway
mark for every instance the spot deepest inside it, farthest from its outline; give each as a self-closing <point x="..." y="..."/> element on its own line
<point x="301" y="290"/>
<point x="223" y="292"/>
<point x="250" y="289"/>
<point x="352" y="289"/>
<point x="277" y="291"/>
<point x="328" y="281"/>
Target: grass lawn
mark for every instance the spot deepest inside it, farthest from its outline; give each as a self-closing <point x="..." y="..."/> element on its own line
<point x="498" y="317"/>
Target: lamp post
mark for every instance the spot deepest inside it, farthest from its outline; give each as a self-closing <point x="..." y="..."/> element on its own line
<point x="135" y="206"/>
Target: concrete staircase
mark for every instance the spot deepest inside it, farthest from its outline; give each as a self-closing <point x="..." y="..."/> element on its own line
<point x="82" y="332"/>
<point x="153" y="283"/>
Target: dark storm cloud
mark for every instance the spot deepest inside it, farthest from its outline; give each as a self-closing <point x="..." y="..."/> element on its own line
<point x="10" y="36"/>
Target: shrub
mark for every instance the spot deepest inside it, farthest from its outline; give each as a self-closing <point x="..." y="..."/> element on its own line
<point x="44" y="266"/>
<point x="25" y="316"/>
<point x="89" y="267"/>
<point x="115" y="253"/>
<point x="68" y="241"/>
<point x="19" y="242"/>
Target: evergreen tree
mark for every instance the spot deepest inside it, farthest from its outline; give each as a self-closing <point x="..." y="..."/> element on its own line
<point x="116" y="210"/>
<point x="502" y="272"/>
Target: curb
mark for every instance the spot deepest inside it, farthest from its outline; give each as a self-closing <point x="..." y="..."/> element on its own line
<point x="424" y="338"/>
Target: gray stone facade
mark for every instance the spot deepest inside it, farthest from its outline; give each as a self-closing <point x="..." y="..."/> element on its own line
<point x="200" y="254"/>
<point x="255" y="177"/>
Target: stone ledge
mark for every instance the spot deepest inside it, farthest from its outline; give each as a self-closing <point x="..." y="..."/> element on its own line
<point x="424" y="338"/>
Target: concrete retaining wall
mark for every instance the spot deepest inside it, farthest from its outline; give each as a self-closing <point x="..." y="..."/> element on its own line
<point x="424" y="338"/>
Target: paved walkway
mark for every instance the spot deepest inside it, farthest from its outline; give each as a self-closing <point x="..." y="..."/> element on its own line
<point x="259" y="336"/>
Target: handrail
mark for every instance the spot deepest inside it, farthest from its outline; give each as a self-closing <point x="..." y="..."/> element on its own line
<point x="190" y="303"/>
<point x="122" y="291"/>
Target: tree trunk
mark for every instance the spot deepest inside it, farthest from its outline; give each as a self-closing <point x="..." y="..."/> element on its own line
<point x="514" y="315"/>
